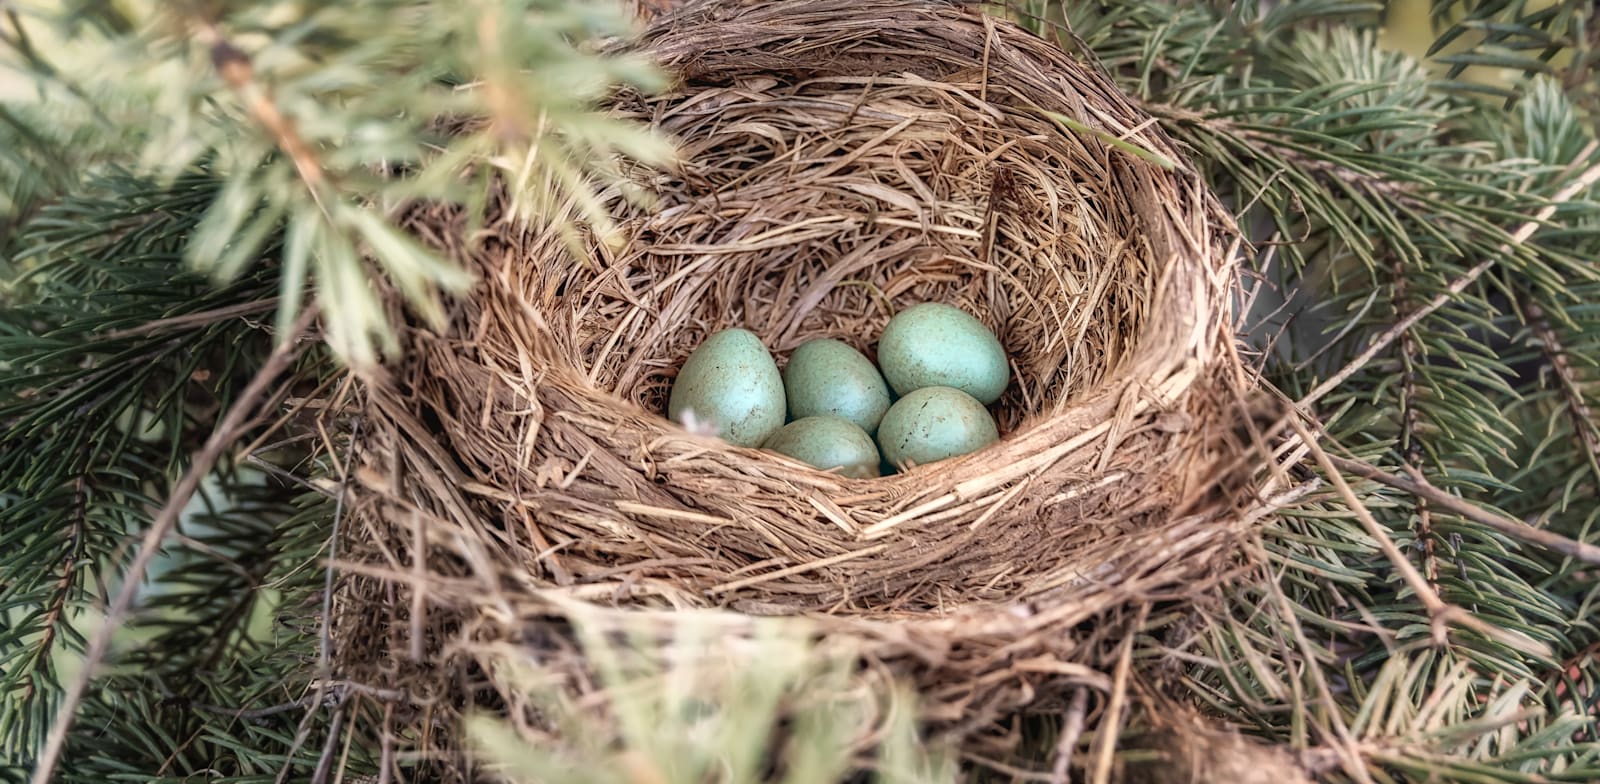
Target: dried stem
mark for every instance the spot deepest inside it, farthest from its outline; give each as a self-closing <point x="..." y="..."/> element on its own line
<point x="1071" y="730"/>
<point x="1111" y="725"/>
<point x="1425" y="593"/>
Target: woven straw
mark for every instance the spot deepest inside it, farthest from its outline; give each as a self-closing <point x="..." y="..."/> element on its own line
<point x="840" y="160"/>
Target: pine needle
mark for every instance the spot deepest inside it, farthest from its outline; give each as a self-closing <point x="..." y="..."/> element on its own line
<point x="228" y="429"/>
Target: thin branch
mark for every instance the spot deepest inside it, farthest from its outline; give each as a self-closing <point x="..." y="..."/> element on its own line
<point x="1411" y="431"/>
<point x="1071" y="730"/>
<point x="1506" y="525"/>
<point x="233" y="713"/>
<point x="324" y="632"/>
<point x="1440" y="613"/>
<point x="236" y="69"/>
<point x="1589" y="177"/>
<point x="232" y="425"/>
<point x="1110" y="727"/>
<point x="24" y="47"/>
<point x="63" y="590"/>
<point x="192" y="319"/>
<point x="1556" y="354"/>
<point x="325" y="760"/>
<point x="1347" y="748"/>
<point x="1419" y="585"/>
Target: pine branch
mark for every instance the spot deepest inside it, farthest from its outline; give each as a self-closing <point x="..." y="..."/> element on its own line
<point x="426" y="105"/>
<point x="1411" y="432"/>
<point x="1584" y="426"/>
<point x="1419" y="487"/>
<point x="233" y="425"/>
<point x="55" y="614"/>
<point x="1583" y="182"/>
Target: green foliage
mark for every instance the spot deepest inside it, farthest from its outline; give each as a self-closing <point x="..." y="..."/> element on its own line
<point x="1551" y="38"/>
<point x="715" y="698"/>
<point x="121" y="360"/>
<point x="1372" y="189"/>
<point x="324" y="119"/>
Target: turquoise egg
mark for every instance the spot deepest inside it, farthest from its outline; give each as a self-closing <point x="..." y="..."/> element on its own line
<point x="731" y="383"/>
<point x="828" y="377"/>
<point x="936" y="345"/>
<point x="934" y="423"/>
<point x="828" y="442"/>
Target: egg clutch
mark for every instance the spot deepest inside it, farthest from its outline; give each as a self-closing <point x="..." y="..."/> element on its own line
<point x="943" y="366"/>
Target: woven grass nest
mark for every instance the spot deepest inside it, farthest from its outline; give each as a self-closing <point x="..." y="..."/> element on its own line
<point x="839" y="160"/>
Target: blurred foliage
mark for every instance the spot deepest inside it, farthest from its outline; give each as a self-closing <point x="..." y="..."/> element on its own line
<point x="718" y="698"/>
<point x="322" y="120"/>
<point x="119" y="371"/>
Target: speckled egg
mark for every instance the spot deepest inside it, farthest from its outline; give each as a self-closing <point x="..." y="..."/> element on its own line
<point x="828" y="442"/>
<point x="934" y="423"/>
<point x="936" y="345"/>
<point x="828" y="377"/>
<point x="731" y="383"/>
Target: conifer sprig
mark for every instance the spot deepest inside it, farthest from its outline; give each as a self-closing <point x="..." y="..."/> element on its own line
<point x="323" y="122"/>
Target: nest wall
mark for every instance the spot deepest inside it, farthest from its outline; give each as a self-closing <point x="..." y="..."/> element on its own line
<point x="839" y="160"/>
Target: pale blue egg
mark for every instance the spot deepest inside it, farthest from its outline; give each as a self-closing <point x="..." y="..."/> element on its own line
<point x="935" y="345"/>
<point x="731" y="383"/>
<point x="934" y="423"/>
<point x="828" y="377"/>
<point x="828" y="442"/>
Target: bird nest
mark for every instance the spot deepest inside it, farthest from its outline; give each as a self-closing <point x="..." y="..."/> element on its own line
<point x="839" y="161"/>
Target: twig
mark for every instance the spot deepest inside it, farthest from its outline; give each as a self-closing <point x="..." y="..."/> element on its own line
<point x="1440" y="613"/>
<point x="324" y="634"/>
<point x="386" y="756"/>
<point x="1557" y="356"/>
<point x="58" y="604"/>
<point x="24" y="46"/>
<point x="232" y="425"/>
<point x="191" y="319"/>
<point x="325" y="761"/>
<point x="1071" y="730"/>
<point x="1345" y="744"/>
<point x="235" y="713"/>
<point x="1425" y="593"/>
<point x="1107" y="734"/>
<point x="1589" y="177"/>
<point x="1411" y="431"/>
<point x="1506" y="525"/>
<point x="236" y="70"/>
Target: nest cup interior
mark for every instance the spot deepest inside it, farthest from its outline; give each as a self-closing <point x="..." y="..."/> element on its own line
<point x="817" y="205"/>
